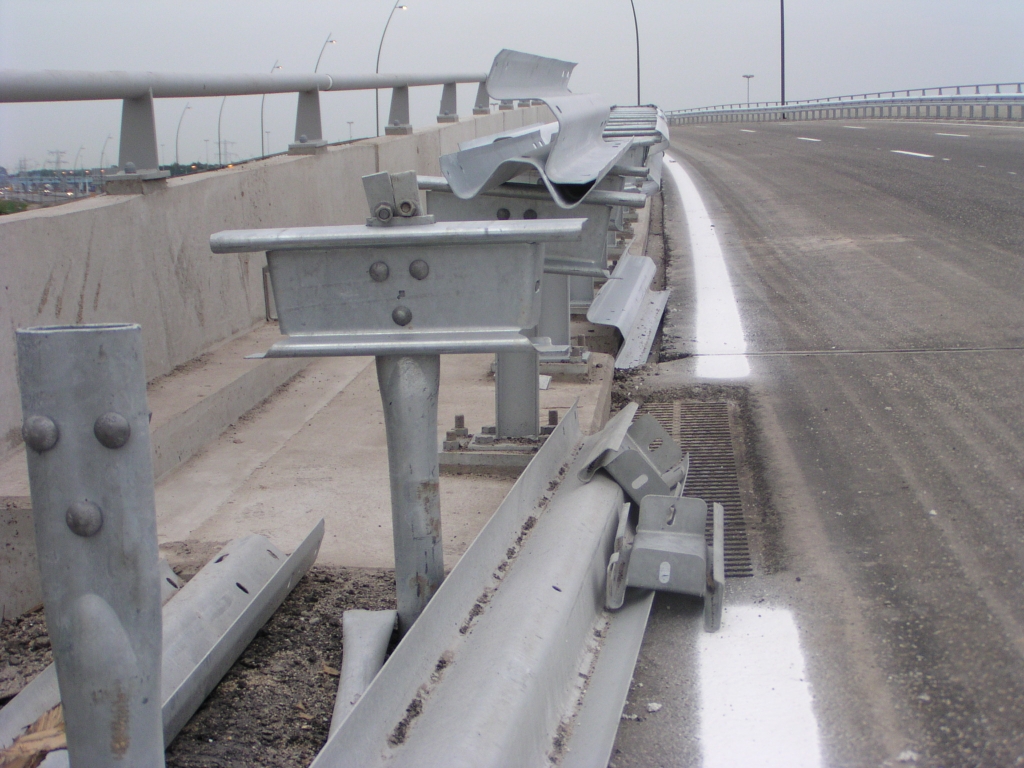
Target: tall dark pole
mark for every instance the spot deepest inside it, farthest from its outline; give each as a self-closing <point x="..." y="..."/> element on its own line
<point x="782" y="27"/>
<point x="636" y="29"/>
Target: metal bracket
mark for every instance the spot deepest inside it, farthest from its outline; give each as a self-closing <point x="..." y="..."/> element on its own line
<point x="394" y="199"/>
<point x="308" y="131"/>
<point x="640" y="456"/>
<point x="449" y="110"/>
<point x="398" y="117"/>
<point x="482" y="105"/>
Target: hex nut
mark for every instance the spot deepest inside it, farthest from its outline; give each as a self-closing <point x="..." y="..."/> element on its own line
<point x="503" y="214"/>
<point x="379" y="271"/>
<point x="84" y="518"/>
<point x="383" y="212"/>
<point x="419" y="269"/>
<point x="402" y="315"/>
<point x="408" y="207"/>
<point x="40" y="433"/>
<point x="112" y="430"/>
<point x="529" y="213"/>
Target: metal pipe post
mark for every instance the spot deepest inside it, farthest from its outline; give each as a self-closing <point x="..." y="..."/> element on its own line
<point x="408" y="389"/>
<point x="86" y="428"/>
<point x="516" y="394"/>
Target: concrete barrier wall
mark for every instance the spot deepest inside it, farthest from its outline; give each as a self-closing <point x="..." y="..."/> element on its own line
<point x="146" y="259"/>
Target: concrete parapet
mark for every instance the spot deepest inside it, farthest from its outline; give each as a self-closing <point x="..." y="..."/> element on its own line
<point x="145" y="258"/>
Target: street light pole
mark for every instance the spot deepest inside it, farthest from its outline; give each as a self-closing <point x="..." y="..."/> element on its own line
<point x="636" y="30"/>
<point x="263" y="152"/>
<point x="747" y="77"/>
<point x="178" y="132"/>
<point x="103" y="152"/>
<point x="220" y="114"/>
<point x="327" y="42"/>
<point x="782" y="30"/>
<point x="376" y="91"/>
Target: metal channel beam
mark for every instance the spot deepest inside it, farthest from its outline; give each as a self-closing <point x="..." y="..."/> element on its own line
<point x="627" y="303"/>
<point x="489" y="672"/>
<point x="206" y="626"/>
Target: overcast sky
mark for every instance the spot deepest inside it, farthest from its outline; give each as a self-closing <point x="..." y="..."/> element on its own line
<point x="693" y="53"/>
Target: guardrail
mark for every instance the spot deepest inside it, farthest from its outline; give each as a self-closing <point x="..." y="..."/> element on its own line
<point x="986" y="102"/>
<point x="138" y="158"/>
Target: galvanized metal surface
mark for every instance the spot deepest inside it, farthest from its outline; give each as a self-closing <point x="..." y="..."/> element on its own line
<point x="587" y="255"/>
<point x="365" y="639"/>
<point x="408" y="389"/>
<point x="703" y="429"/>
<point x="516" y="394"/>
<point x="205" y="628"/>
<point x="358" y="236"/>
<point x="532" y="192"/>
<point x="83" y="391"/>
<point x="626" y="302"/>
<point x="461" y="286"/>
<point x="593" y="733"/>
<point x="491" y="669"/>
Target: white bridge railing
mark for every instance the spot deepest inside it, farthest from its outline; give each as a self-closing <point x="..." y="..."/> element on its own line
<point x="993" y="101"/>
<point x="138" y="159"/>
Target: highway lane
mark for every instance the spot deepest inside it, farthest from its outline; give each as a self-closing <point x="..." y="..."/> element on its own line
<point x="880" y="296"/>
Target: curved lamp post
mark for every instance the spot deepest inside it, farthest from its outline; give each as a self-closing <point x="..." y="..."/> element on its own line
<point x="103" y="152"/>
<point x="220" y="114"/>
<point x="636" y="30"/>
<point x="747" y="78"/>
<point x="376" y="91"/>
<point x="327" y="42"/>
<point x="178" y="132"/>
<point x="263" y="151"/>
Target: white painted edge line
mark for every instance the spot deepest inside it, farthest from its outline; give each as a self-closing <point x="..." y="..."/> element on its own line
<point x="856" y="127"/>
<point x="807" y="138"/>
<point x="912" y="154"/>
<point x="756" y="702"/>
<point x="958" y="135"/>
<point x="721" y="346"/>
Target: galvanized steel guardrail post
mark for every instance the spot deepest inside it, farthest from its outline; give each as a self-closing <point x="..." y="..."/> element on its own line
<point x="86" y="429"/>
<point x="406" y="290"/>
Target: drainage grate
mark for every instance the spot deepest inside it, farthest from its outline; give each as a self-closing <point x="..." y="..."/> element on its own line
<point x="702" y="428"/>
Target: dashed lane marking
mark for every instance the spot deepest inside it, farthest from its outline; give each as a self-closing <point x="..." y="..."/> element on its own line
<point x="958" y="135"/>
<point x="807" y="138"/>
<point x="912" y="154"/>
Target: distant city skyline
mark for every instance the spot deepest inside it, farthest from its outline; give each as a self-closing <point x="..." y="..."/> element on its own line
<point x="692" y="54"/>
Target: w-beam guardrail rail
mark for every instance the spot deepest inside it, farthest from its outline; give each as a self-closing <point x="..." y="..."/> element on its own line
<point x="138" y="158"/>
<point x="993" y="101"/>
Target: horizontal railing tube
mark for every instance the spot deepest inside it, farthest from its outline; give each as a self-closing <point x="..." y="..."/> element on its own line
<point x="66" y="85"/>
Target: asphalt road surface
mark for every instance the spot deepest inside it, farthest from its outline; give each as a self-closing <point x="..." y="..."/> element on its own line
<point x="877" y="268"/>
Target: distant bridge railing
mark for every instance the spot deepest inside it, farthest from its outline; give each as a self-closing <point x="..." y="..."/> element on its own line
<point x="138" y="150"/>
<point x="992" y="101"/>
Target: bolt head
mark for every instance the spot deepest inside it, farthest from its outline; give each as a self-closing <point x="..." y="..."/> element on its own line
<point x="40" y="433"/>
<point x="419" y="269"/>
<point x="112" y="430"/>
<point x="84" y="518"/>
<point x="402" y="315"/>
<point x="383" y="212"/>
<point x="379" y="271"/>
